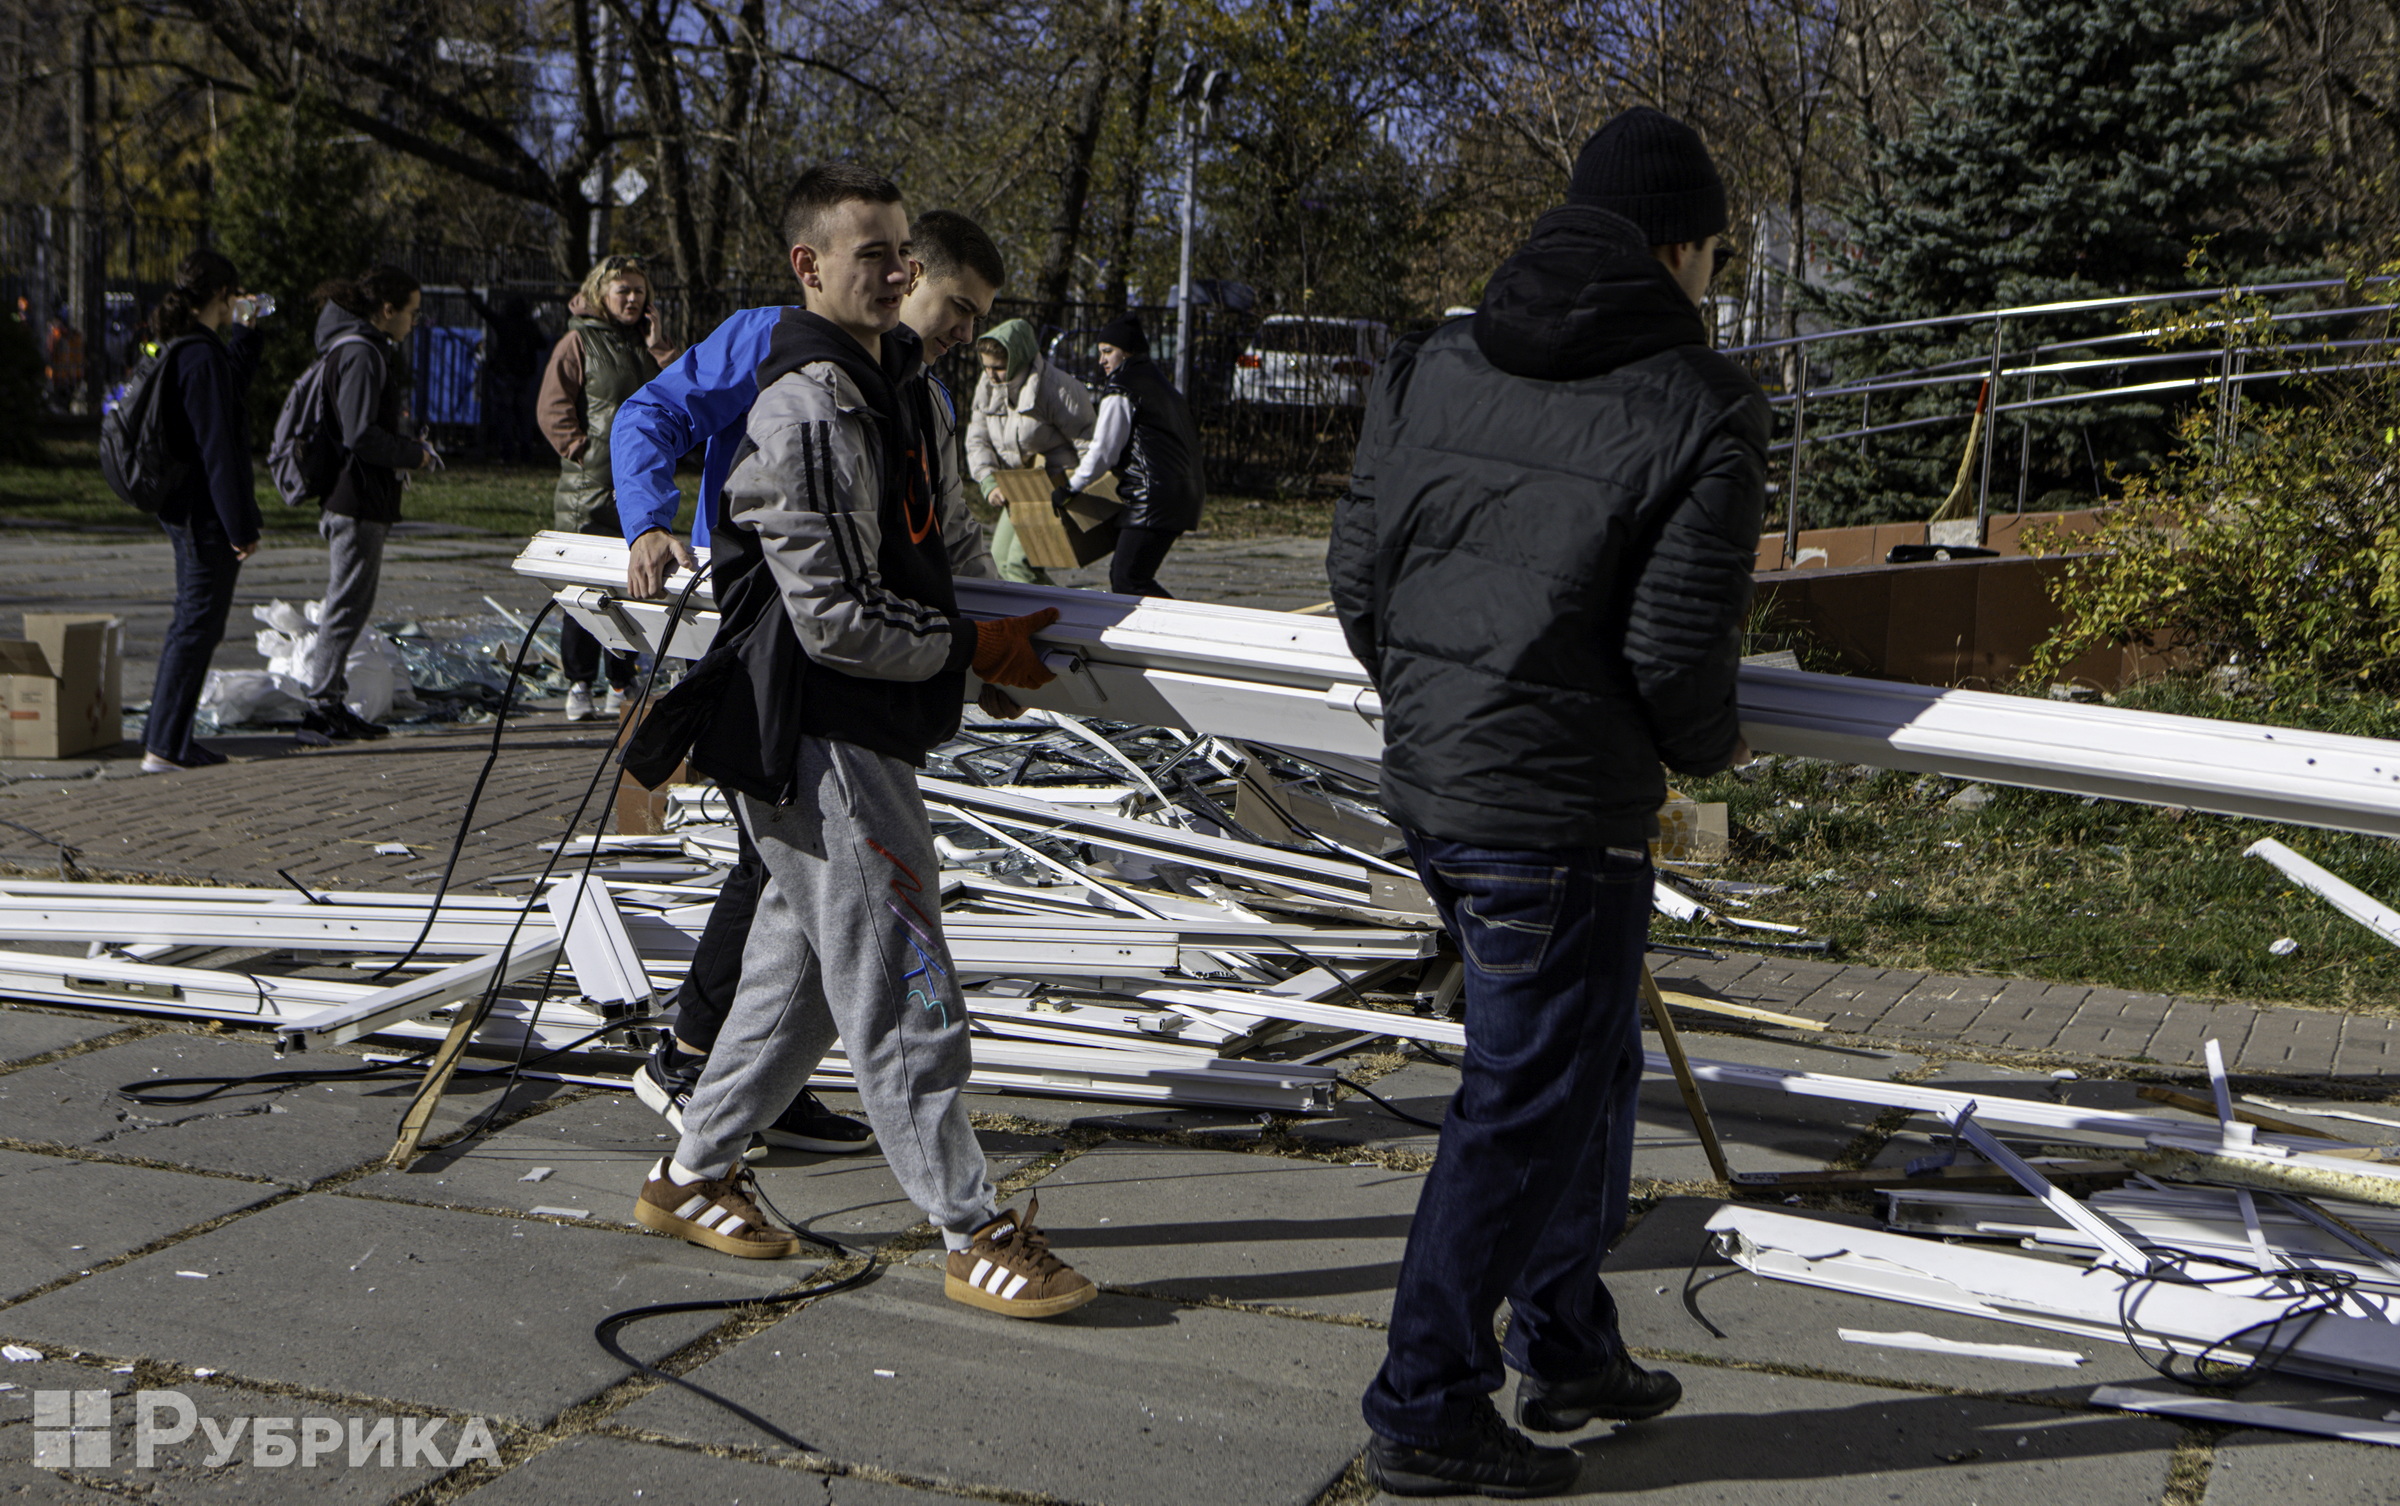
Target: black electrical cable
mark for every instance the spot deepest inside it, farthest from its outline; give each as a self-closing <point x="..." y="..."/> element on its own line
<point x="491" y="995"/>
<point x="606" y="1331"/>
<point x="2317" y="1291"/>
<point x="1389" y="1107"/>
<point x="466" y="819"/>
<point x="144" y="1090"/>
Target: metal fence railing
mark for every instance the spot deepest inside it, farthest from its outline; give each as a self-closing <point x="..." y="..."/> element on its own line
<point x="1277" y="399"/>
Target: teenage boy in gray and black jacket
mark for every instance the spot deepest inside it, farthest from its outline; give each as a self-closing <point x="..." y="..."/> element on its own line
<point x="835" y="580"/>
<point x="1544" y="561"/>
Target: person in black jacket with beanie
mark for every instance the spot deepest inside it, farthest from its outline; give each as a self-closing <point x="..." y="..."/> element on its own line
<point x="1144" y="431"/>
<point x="210" y="511"/>
<point x="1544" y="562"/>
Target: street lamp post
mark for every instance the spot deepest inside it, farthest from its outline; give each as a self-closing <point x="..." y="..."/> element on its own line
<point x="1204" y="89"/>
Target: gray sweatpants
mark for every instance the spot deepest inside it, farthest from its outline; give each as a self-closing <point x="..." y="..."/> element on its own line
<point x="848" y="943"/>
<point x="354" y="569"/>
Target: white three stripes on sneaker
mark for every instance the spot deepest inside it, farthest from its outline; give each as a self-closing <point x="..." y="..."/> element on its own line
<point x="719" y="1218"/>
<point x="996" y="1279"/>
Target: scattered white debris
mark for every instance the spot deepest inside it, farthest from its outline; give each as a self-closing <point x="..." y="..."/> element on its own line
<point x="2249" y="1414"/>
<point x="205" y="1371"/>
<point x="1933" y="1344"/>
<point x="539" y="1173"/>
<point x="194" y="1275"/>
<point x="18" y="1354"/>
<point x="120" y="1370"/>
<point x="393" y="850"/>
<point x="888" y="1374"/>
<point x="561" y="1212"/>
<point x="2283" y="946"/>
<point x="2067" y="1074"/>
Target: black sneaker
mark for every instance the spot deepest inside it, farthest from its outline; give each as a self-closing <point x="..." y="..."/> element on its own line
<point x="339" y="722"/>
<point x="1623" y="1392"/>
<point x="809" y="1125"/>
<point x="665" y="1081"/>
<point x="1489" y="1459"/>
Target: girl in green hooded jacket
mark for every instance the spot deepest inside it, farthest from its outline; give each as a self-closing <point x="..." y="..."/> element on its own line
<point x="1026" y="413"/>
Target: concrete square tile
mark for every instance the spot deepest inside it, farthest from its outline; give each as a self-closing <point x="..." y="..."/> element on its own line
<point x="36" y="1032"/>
<point x="1762" y="1129"/>
<point x="59" y="1216"/>
<point x="1231" y="1225"/>
<point x="1776" y="1440"/>
<point x="601" y="1471"/>
<point x="1421" y="1088"/>
<point x="294" y="1133"/>
<point x="1125" y="1400"/>
<point x="1783" y="1323"/>
<point x="599" y="1150"/>
<point x="2258" y="1468"/>
<point x="460" y="1311"/>
<point x="242" y="1464"/>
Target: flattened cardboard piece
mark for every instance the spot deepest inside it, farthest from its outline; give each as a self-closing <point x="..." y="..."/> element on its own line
<point x="1054" y="540"/>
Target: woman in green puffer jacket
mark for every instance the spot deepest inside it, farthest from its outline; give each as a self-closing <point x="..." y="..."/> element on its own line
<point x="609" y="350"/>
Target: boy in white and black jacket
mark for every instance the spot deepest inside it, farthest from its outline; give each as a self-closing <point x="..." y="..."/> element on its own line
<point x="855" y="659"/>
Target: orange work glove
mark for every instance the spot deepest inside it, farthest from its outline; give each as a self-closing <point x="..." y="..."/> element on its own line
<point x="1004" y="651"/>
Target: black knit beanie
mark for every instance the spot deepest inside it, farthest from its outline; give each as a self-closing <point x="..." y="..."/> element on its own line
<point x="1126" y="335"/>
<point x="1655" y="171"/>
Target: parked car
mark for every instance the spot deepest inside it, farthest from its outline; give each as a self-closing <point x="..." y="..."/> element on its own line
<point x="1304" y="360"/>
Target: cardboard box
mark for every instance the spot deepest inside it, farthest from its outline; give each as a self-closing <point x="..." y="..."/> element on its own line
<point x="62" y="686"/>
<point x="1060" y="540"/>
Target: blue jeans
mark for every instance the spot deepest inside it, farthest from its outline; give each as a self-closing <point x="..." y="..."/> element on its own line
<point x="205" y="573"/>
<point x="1529" y="1187"/>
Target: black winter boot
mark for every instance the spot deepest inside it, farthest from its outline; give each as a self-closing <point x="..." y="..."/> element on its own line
<point x="1489" y="1458"/>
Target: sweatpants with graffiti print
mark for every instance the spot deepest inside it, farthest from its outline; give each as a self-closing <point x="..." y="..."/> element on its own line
<point x="848" y="944"/>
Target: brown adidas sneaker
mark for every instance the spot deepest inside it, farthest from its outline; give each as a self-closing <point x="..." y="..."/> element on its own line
<point x="722" y="1214"/>
<point x="1009" y="1270"/>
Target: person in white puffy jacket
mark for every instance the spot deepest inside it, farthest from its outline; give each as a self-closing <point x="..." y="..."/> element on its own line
<point x="1026" y="413"/>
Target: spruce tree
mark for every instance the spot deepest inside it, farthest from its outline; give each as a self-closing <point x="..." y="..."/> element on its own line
<point x="2077" y="149"/>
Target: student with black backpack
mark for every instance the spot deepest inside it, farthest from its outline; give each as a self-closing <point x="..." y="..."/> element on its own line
<point x="207" y="499"/>
<point x="362" y="342"/>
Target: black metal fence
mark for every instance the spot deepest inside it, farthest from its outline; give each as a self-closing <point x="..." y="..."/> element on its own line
<point x="1277" y="400"/>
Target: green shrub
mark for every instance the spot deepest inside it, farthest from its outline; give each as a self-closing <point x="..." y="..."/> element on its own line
<point x="2267" y="546"/>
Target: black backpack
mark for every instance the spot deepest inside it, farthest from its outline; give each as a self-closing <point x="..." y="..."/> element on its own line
<point x="133" y="434"/>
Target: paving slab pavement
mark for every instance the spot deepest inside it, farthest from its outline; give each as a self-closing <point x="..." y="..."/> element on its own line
<point x="1421" y="1088"/>
<point x="1233" y="1226"/>
<point x="27" y="1032"/>
<point x="1126" y="1400"/>
<point x="59" y="1216"/>
<point x="236" y="1467"/>
<point x="1742" y="1438"/>
<point x="2254" y="1467"/>
<point x="599" y="1150"/>
<point x="463" y="1312"/>
<point x="601" y="1471"/>
<point x="1782" y="1323"/>
<point x="293" y="1133"/>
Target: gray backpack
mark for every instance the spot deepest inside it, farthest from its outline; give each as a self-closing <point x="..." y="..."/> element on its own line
<point x="306" y="456"/>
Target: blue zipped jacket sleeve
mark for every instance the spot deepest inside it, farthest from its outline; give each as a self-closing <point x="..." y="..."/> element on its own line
<point x="701" y="397"/>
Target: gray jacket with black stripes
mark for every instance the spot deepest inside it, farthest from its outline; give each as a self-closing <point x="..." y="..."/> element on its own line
<point x="863" y="570"/>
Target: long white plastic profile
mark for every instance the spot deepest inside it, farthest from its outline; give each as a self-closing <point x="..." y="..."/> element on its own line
<point x="1290" y="680"/>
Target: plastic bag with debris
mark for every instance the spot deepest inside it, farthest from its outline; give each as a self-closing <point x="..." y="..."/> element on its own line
<point x="247" y="697"/>
<point x="378" y="676"/>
